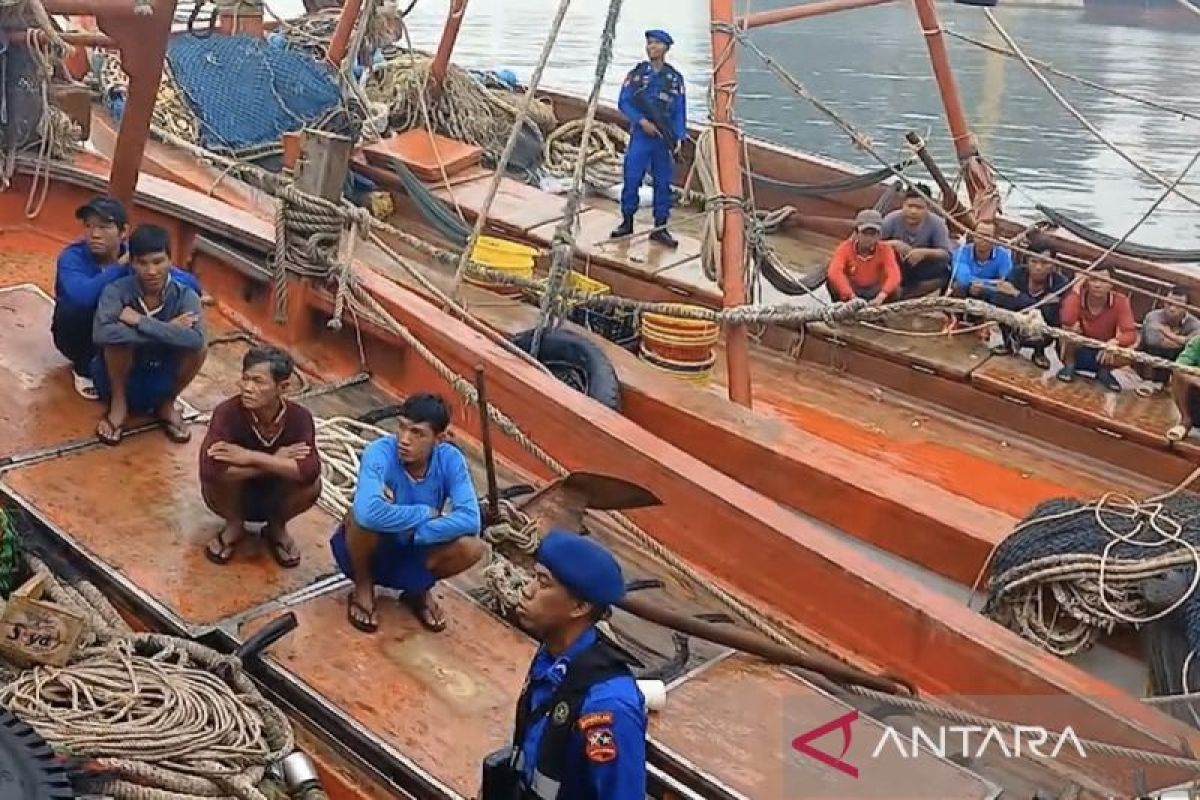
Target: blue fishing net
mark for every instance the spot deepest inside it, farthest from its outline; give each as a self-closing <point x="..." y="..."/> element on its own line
<point x="246" y="93"/>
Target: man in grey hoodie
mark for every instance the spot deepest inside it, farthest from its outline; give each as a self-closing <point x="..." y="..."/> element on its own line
<point x="149" y="336"/>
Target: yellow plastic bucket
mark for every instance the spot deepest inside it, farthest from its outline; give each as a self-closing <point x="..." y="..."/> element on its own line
<point x="501" y="255"/>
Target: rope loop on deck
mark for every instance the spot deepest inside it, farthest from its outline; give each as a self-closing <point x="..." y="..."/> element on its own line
<point x="154" y="716"/>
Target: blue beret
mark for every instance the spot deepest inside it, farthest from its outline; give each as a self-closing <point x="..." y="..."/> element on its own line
<point x="583" y="566"/>
<point x="661" y="35"/>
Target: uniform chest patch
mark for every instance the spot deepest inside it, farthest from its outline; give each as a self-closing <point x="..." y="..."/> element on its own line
<point x="601" y="745"/>
<point x="561" y="712"/>
<point x="595" y="720"/>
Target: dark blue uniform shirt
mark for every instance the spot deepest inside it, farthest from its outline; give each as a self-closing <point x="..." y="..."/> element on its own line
<point x="606" y="754"/>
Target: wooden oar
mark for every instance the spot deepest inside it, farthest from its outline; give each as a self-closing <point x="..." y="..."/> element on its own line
<point x="749" y="642"/>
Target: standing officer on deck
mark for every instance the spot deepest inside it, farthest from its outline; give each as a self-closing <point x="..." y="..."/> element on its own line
<point x="581" y="720"/>
<point x="652" y="98"/>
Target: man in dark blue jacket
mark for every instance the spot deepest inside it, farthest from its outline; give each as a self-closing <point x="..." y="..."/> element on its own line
<point x="581" y="720"/>
<point x="84" y="268"/>
<point x="653" y="100"/>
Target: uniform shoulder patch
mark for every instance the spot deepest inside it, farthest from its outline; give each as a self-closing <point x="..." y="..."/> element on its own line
<point x="594" y="720"/>
<point x="601" y="746"/>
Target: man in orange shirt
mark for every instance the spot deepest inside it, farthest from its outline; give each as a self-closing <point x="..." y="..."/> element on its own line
<point x="861" y="267"/>
<point x="1097" y="312"/>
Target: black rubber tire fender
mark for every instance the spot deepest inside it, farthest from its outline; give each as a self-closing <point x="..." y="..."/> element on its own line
<point x="567" y="347"/>
<point x="28" y="765"/>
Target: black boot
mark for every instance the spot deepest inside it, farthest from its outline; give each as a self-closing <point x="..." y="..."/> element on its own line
<point x="624" y="229"/>
<point x="662" y="235"/>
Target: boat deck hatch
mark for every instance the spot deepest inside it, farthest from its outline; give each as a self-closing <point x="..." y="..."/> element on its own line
<point x="738" y="717"/>
<point x="518" y="207"/>
<point x="636" y="254"/>
<point x="441" y="700"/>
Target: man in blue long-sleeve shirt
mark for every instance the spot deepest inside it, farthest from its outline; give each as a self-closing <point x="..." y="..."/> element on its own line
<point x="652" y="98"/>
<point x="84" y="268"/>
<point x="149" y="334"/>
<point x="397" y="533"/>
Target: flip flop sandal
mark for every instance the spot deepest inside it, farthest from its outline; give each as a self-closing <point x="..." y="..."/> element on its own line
<point x="1177" y="434"/>
<point x="85" y="388"/>
<point x="280" y="554"/>
<point x="365" y="623"/>
<point x="116" y="433"/>
<point x="424" y="613"/>
<point x="225" y="554"/>
<point x="177" y="433"/>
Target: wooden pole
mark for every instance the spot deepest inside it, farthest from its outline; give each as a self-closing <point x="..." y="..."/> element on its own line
<point x="340" y="41"/>
<point x="485" y="438"/>
<point x="960" y="132"/>
<point x="143" y="43"/>
<point x="441" y="60"/>
<point x="729" y="173"/>
<point x="759" y="645"/>
<point x="981" y="186"/>
<point x="804" y="11"/>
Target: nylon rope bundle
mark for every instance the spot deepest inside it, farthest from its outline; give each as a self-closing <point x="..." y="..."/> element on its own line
<point x="1072" y="571"/>
<point x="160" y="718"/>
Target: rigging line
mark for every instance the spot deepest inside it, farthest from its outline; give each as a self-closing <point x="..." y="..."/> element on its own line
<point x="1100" y="87"/>
<point x="791" y="81"/>
<point x="1082" y="120"/>
<point x="502" y="165"/>
<point x="563" y="245"/>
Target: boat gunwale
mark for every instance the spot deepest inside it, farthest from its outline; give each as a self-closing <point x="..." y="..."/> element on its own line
<point x="902" y="595"/>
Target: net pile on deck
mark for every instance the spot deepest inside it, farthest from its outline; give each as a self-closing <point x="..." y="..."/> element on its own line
<point x="277" y="90"/>
<point x="465" y="109"/>
<point x="29" y="120"/>
<point x="144" y="716"/>
<point x="1074" y="570"/>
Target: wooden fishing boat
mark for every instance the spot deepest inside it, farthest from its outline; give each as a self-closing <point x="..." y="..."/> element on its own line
<point x="451" y="696"/>
<point x="828" y="400"/>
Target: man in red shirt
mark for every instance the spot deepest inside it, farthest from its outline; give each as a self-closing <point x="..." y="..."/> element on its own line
<point x="861" y="267"/>
<point x="1097" y="312"/>
<point x="259" y="461"/>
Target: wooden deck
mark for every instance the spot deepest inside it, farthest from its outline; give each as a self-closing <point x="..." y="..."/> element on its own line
<point x="449" y="696"/>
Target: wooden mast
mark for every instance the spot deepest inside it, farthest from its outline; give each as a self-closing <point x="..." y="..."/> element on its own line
<point x="142" y="41"/>
<point x="985" y="200"/>
<point x="441" y="60"/>
<point x="729" y="175"/>
<point x="340" y="41"/>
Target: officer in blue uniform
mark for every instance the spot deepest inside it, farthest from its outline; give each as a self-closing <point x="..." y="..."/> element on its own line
<point x="652" y="98"/>
<point x="581" y="720"/>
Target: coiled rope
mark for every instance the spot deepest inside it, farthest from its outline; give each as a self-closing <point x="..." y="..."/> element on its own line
<point x="463" y="109"/>
<point x="604" y="152"/>
<point x="162" y="718"/>
<point x="1072" y="571"/>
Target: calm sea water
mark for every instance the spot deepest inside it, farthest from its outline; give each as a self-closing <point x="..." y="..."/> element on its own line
<point x="871" y="65"/>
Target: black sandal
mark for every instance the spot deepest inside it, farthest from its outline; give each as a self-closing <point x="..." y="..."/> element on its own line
<point x="114" y="435"/>
<point x="425" y="611"/>
<point x="225" y="554"/>
<point x="367" y="622"/>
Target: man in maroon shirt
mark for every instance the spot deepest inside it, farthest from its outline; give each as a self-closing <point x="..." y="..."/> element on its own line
<point x="259" y="461"/>
<point x="1097" y="312"/>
